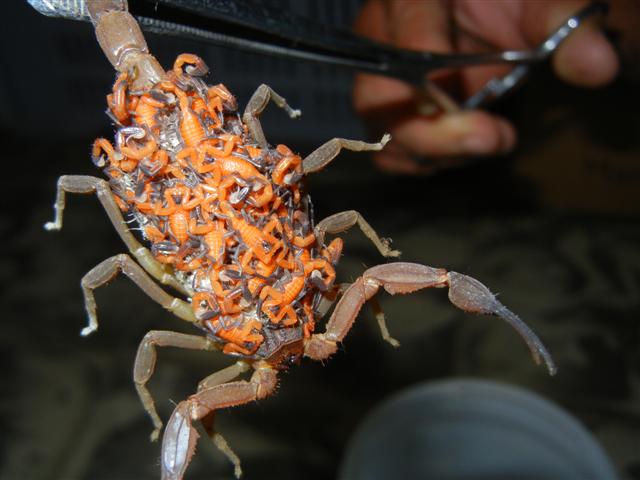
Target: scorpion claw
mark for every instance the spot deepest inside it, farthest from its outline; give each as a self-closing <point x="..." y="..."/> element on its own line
<point x="178" y="443"/>
<point x="466" y="293"/>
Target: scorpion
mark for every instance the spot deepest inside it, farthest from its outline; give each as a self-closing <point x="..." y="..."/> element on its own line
<point x="226" y="223"/>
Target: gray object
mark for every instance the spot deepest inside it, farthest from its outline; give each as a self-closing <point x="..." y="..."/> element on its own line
<point x="471" y="429"/>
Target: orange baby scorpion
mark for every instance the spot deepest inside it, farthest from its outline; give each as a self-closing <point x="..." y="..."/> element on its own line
<point x="225" y="222"/>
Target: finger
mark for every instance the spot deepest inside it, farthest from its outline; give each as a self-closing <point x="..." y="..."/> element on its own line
<point x="420" y="25"/>
<point x="423" y="26"/>
<point x="487" y="27"/>
<point x="374" y="92"/>
<point x="374" y="95"/>
<point x="406" y="24"/>
<point x="372" y="21"/>
<point x="586" y="57"/>
<point x="464" y="133"/>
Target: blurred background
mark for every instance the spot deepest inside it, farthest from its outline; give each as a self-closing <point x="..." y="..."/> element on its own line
<point x="553" y="228"/>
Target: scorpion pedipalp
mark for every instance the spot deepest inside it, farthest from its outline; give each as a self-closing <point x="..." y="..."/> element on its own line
<point x="180" y="437"/>
<point x="465" y="292"/>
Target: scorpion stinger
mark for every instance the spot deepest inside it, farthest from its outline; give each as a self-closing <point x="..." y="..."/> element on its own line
<point x="224" y="221"/>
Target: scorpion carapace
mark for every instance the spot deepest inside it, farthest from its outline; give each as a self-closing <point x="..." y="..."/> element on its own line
<point x="227" y="225"/>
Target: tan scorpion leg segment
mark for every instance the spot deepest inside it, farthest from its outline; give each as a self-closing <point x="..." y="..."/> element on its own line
<point x="324" y="154"/>
<point x="329" y="298"/>
<point x="105" y="271"/>
<point x="87" y="185"/>
<point x="256" y="105"/>
<point x="180" y="437"/>
<point x="382" y="322"/>
<point x="342" y="221"/>
<point x="222" y="445"/>
<point x="145" y="364"/>
<point x="223" y="376"/>
<point x="218" y="378"/>
<point x="465" y="292"/>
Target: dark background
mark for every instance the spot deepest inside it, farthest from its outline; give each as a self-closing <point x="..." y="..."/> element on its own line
<point x="553" y="228"/>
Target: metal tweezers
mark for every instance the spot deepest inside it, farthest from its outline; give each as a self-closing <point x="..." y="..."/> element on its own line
<point x="254" y="26"/>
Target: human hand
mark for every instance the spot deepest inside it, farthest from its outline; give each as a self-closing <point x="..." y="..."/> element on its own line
<point x="585" y="59"/>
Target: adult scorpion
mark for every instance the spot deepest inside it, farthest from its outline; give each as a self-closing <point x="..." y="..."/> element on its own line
<point x="226" y="224"/>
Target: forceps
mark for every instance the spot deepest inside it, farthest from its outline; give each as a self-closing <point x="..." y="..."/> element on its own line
<point x="257" y="27"/>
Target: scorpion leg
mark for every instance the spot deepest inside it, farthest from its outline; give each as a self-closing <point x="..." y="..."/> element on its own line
<point x="179" y="441"/>
<point x="105" y="271"/>
<point x="223" y="376"/>
<point x="329" y="298"/>
<point x="222" y="445"/>
<point x="145" y="364"/>
<point x="86" y="184"/>
<point x="382" y="322"/>
<point x="342" y="221"/>
<point x="218" y="378"/>
<point x="256" y="105"/>
<point x="324" y="154"/>
<point x="465" y="292"/>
